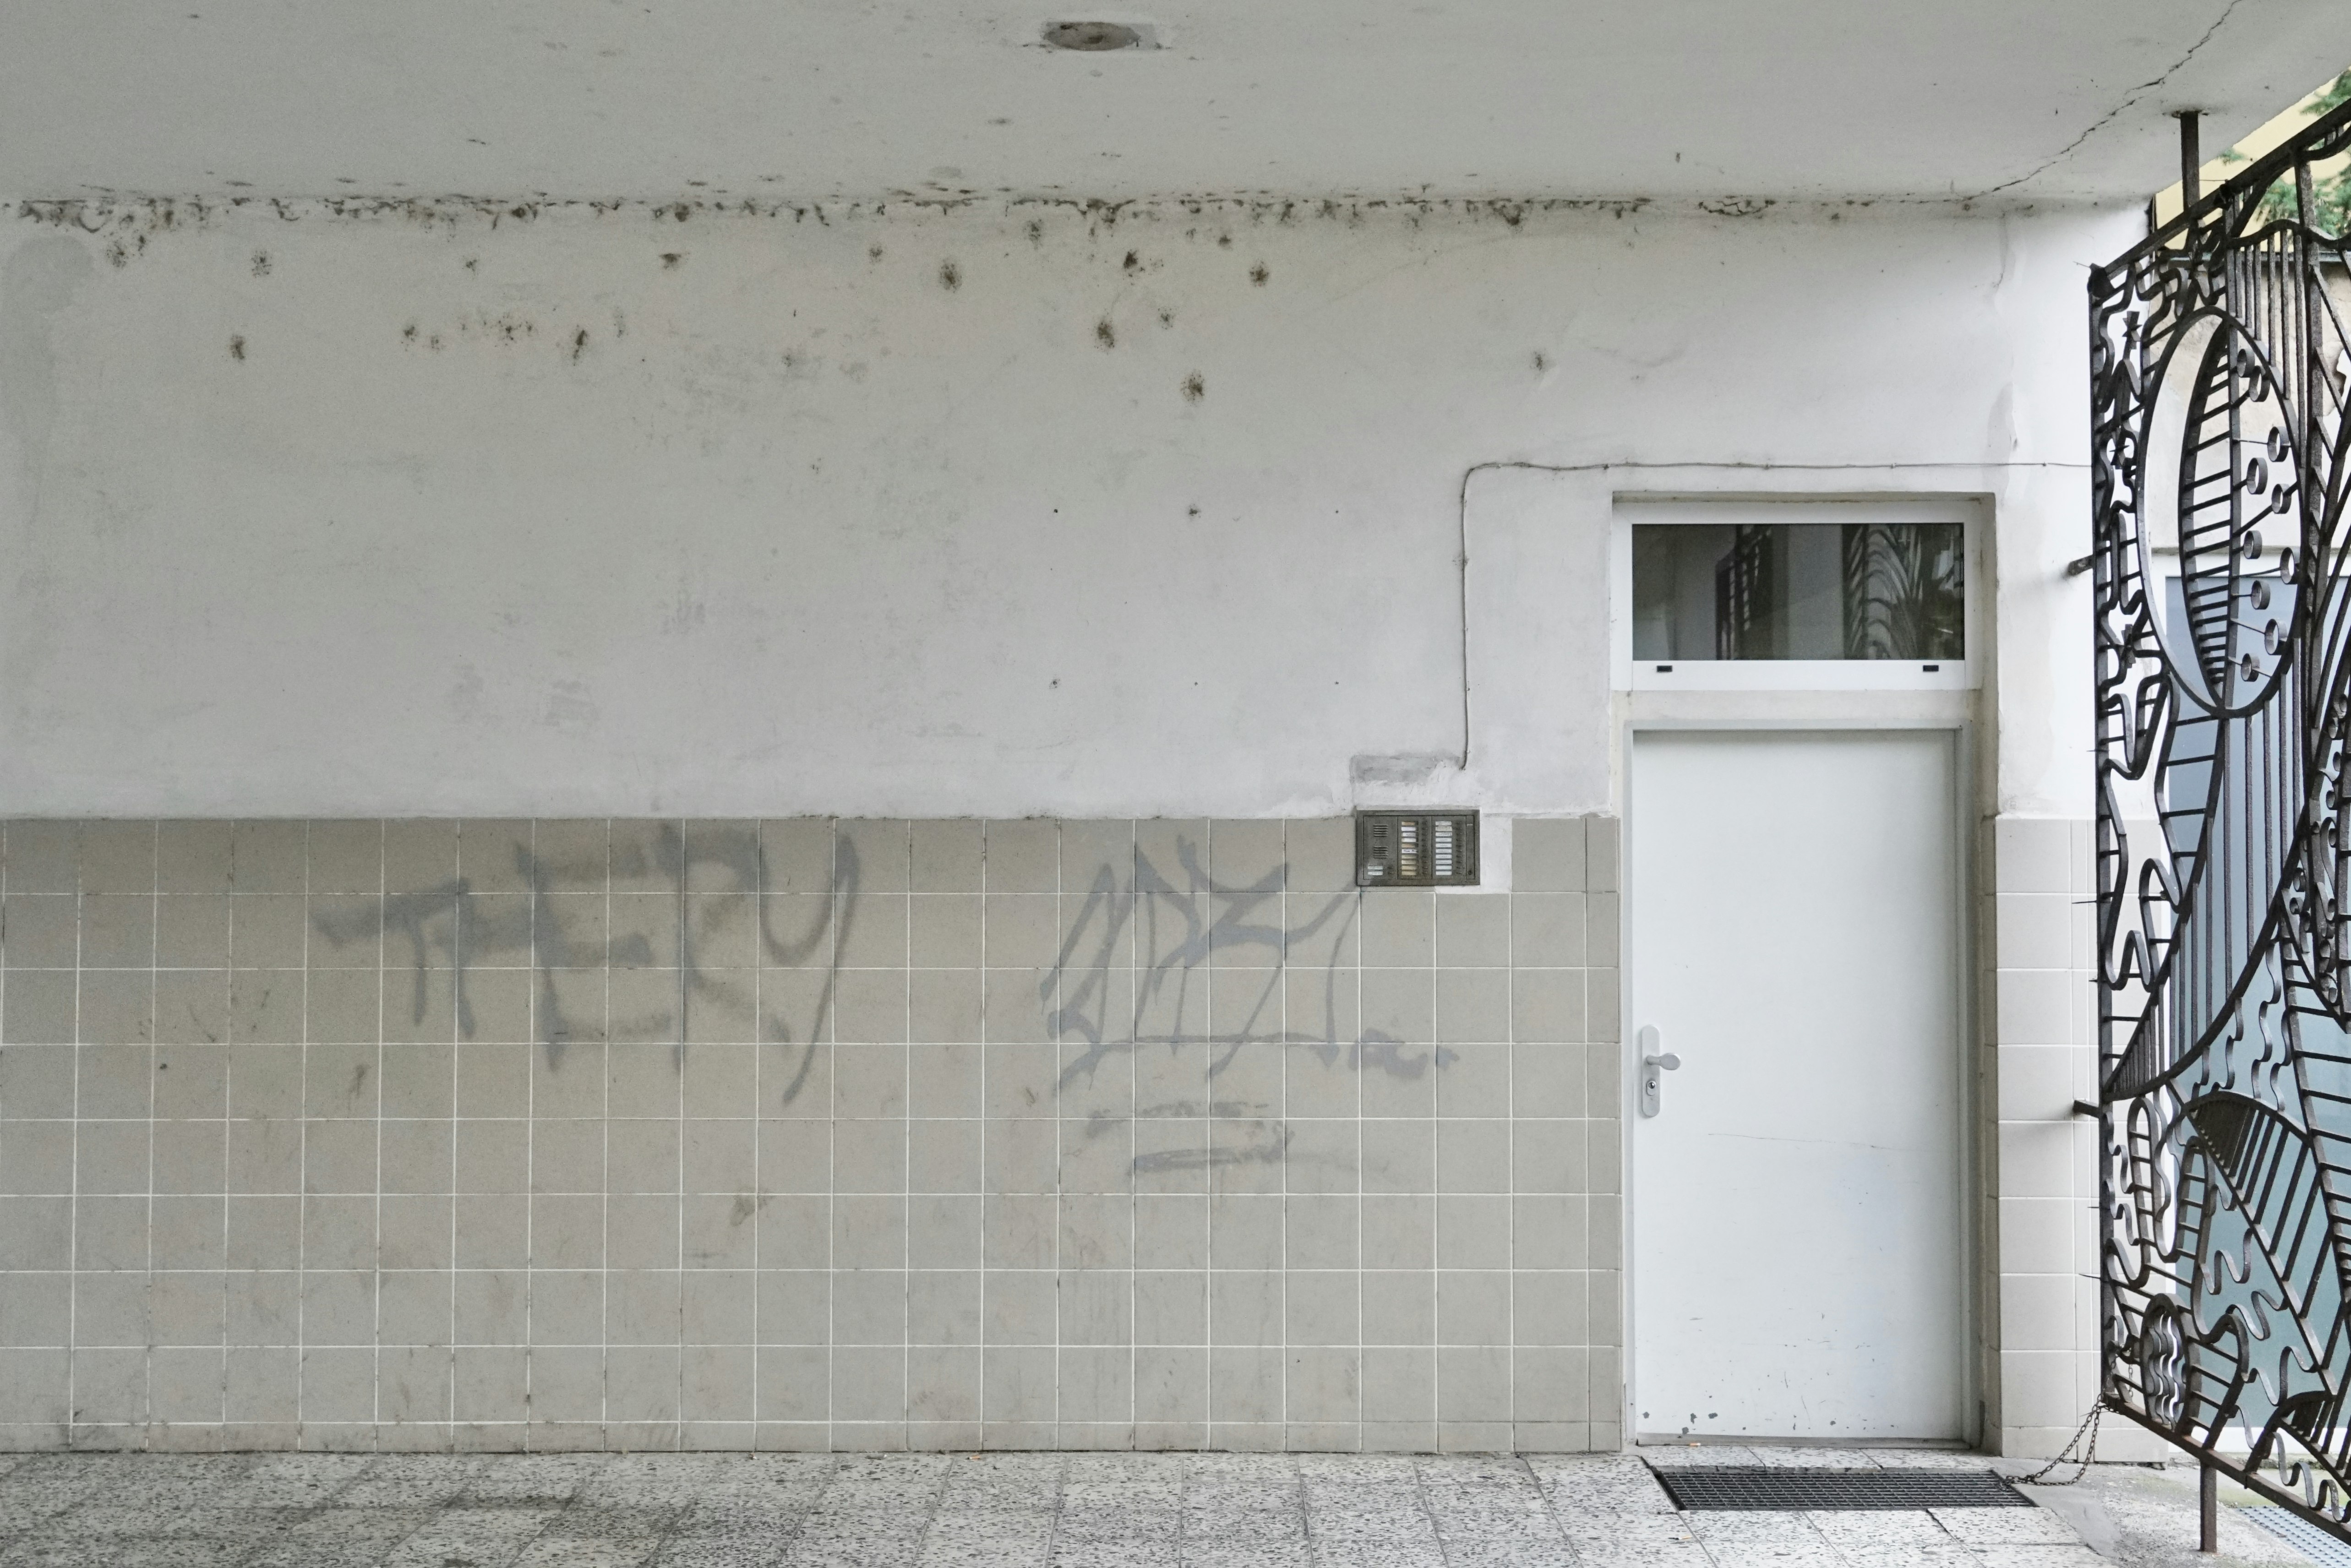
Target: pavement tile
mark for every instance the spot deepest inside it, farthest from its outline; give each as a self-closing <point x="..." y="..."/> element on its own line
<point x="1880" y="1527"/>
<point x="1774" y="1554"/>
<point x="2007" y="1527"/>
<point x="2013" y="1556"/>
<point x="610" y="1552"/>
<point x="486" y="1538"/>
<point x="910" y="1492"/>
<point x="25" y="1505"/>
<point x="295" y="1481"/>
<point x="582" y="1520"/>
<point x="1931" y="1459"/>
<point x="337" y="1535"/>
<point x="903" y="1468"/>
<point x="1374" y="1554"/>
<point x="1113" y="1554"/>
<point x="1139" y="1492"/>
<point x="1770" y="1458"/>
<point x="534" y="1478"/>
<point x="1369" y="1468"/>
<point x="1096" y="1523"/>
<point x="741" y="1516"/>
<point x="1592" y="1534"/>
<point x="82" y="1468"/>
<point x="148" y="1552"/>
<point x="1505" y="1554"/>
<point x="1029" y="1509"/>
<point x="1711" y="1525"/>
<point x="708" y="1552"/>
<point x="1224" y="1467"/>
<point x="1236" y="1554"/>
<point x="860" y="1535"/>
<point x="983" y="1553"/>
<point x="397" y="1479"/>
<point x="991" y="1533"/>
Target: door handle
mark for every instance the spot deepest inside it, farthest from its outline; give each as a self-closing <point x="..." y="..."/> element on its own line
<point x="1655" y="1065"/>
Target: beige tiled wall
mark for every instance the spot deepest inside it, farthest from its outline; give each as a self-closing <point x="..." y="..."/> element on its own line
<point x="802" y="1134"/>
<point x="2040" y="1037"/>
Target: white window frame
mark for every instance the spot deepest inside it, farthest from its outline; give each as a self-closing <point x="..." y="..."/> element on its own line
<point x="1793" y="674"/>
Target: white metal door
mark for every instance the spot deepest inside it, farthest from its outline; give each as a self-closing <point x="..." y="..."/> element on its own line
<point x="1797" y="1202"/>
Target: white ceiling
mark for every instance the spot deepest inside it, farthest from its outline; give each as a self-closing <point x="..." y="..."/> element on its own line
<point x="1788" y="98"/>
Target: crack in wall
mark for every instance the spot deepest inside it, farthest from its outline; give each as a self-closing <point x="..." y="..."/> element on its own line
<point x="2131" y="99"/>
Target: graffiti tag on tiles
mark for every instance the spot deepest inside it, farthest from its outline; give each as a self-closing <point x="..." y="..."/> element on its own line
<point x="1140" y="960"/>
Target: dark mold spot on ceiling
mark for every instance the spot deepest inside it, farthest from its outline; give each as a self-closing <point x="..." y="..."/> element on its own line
<point x="950" y="277"/>
<point x="1105" y="334"/>
<point x="1133" y="263"/>
<point x="1542" y="364"/>
<point x="1092" y="37"/>
<point x="1196" y="387"/>
<point x="260" y="264"/>
<point x="237" y="348"/>
<point x="1257" y="275"/>
<point x="670" y="258"/>
<point x="872" y="252"/>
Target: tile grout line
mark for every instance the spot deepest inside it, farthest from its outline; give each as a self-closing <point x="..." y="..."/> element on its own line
<point x="1133" y="1089"/>
<point x="685" y="1033"/>
<point x="73" y="1221"/>
<point x="302" y="1172"/>
<point x="831" y="1025"/>
<point x="906" y="1166"/>
<point x="760" y="956"/>
<point x="228" y="1090"/>
<point x="458" y="938"/>
<point x="375" y="1268"/>
<point x="1281" y="1118"/>
<point x="1207" y="972"/>
<point x="1363" y="1435"/>
<point x="153" y="1065"/>
<point x="1510" y="1158"/>
<point x="530" y="1144"/>
<point x="1053" y="1055"/>
<point x="987" y="840"/>
<point x="1435" y="1193"/>
<point x="604" y="1187"/>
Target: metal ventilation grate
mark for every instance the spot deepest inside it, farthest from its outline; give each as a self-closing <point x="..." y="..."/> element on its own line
<point x="1416" y="849"/>
<point x="1756" y="1487"/>
<point x="2320" y="1546"/>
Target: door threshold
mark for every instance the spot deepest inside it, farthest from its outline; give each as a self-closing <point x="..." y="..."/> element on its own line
<point x="1722" y="1441"/>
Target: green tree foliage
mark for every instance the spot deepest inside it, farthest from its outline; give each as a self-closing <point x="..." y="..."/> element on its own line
<point x="2330" y="195"/>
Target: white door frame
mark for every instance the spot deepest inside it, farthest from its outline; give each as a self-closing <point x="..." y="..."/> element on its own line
<point x="1962" y="826"/>
<point x="1809" y="697"/>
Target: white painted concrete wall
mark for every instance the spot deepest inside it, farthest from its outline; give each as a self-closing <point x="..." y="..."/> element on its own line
<point x="602" y="513"/>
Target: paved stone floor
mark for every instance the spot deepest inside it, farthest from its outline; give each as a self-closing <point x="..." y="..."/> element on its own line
<point x="1084" y="1511"/>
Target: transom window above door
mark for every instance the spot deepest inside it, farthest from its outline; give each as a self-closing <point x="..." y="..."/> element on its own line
<point x="1796" y="595"/>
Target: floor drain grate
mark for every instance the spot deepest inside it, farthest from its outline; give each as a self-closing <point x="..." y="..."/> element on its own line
<point x="2327" y="1549"/>
<point x="1761" y="1487"/>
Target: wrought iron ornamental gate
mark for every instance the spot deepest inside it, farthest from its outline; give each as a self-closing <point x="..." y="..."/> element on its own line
<point x="2223" y="670"/>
